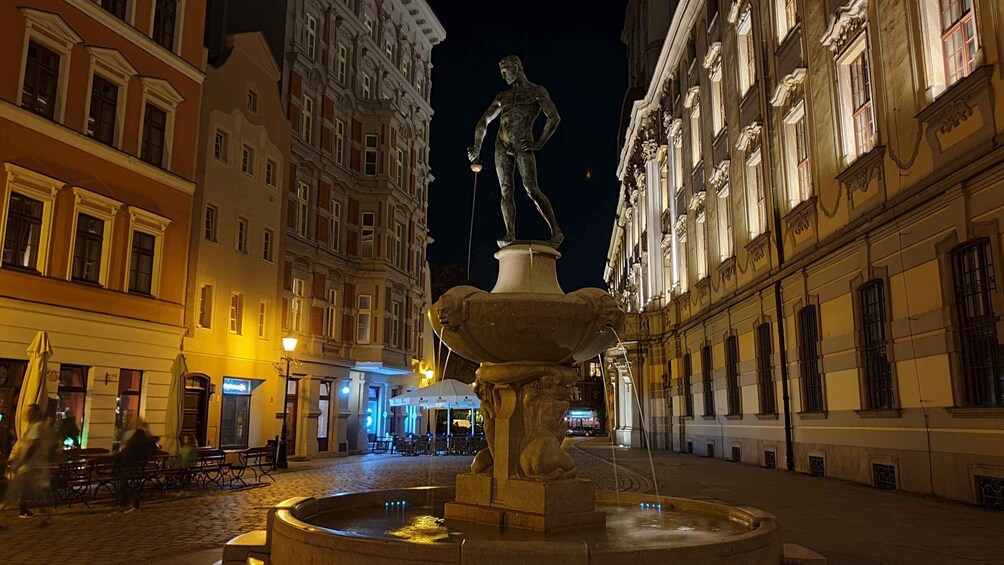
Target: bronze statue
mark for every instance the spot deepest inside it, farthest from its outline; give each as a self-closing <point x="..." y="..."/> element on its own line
<point x="519" y="107"/>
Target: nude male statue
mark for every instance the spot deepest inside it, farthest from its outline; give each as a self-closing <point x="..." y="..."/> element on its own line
<point x="519" y="107"/>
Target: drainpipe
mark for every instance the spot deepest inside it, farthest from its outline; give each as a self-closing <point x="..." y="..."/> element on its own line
<point x="768" y="113"/>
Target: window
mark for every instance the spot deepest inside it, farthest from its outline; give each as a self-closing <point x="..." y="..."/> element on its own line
<point x="370" y="167"/>
<point x="263" y="320"/>
<point x="242" y="236"/>
<point x="797" y="155"/>
<point x="301" y="209"/>
<point x="206" y="306"/>
<point x="982" y="362"/>
<point x="252" y="101"/>
<point x="366" y="239"/>
<point x="116" y="8"/>
<point x="363" y="304"/>
<point x="141" y="263"/>
<point x="367" y="86"/>
<point x="764" y="369"/>
<point x="307" y="120"/>
<point x="236" y="313"/>
<point x="724" y="224"/>
<point x="22" y="239"/>
<point x="41" y="79"/>
<point x="368" y="24"/>
<point x="220" y="142"/>
<point x="343" y="56"/>
<point x="756" y="196"/>
<point x="72" y="398"/>
<point x="395" y="324"/>
<point x="855" y="99"/>
<point x="717" y="100"/>
<point x="296" y="305"/>
<point x="700" y="248"/>
<point x="420" y="82"/>
<point x="399" y="240"/>
<point x="129" y="393"/>
<point x="404" y="65"/>
<point x="212" y="223"/>
<point x="787" y="17"/>
<point x="247" y="161"/>
<point x="339" y="141"/>
<point x="388" y="48"/>
<point x="709" y="392"/>
<point x="812" y="379"/>
<point x="103" y="116"/>
<point x="400" y="168"/>
<point x="271" y="173"/>
<point x="311" y="37"/>
<point x="154" y="135"/>
<point x="268" y="245"/>
<point x="878" y="370"/>
<point x="323" y="407"/>
<point x="87" y="249"/>
<point x="695" y="136"/>
<point x="335" y="227"/>
<point x="732" y="375"/>
<point x="688" y="391"/>
<point x="165" y="17"/>
<point x="330" y="313"/>
<point x="958" y="38"/>
<point x="746" y="48"/>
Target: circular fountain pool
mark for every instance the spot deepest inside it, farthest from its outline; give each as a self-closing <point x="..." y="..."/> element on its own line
<point x="405" y="526"/>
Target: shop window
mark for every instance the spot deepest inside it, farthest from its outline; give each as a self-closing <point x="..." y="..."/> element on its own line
<point x="129" y="393"/>
<point x="71" y="402"/>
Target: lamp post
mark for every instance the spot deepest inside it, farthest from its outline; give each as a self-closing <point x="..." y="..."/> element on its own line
<point x="288" y="345"/>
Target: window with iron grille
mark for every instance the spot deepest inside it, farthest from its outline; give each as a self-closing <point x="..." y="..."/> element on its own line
<point x="709" y="393"/>
<point x="770" y="459"/>
<point x="165" y="17"/>
<point x="878" y="370"/>
<point x="817" y="466"/>
<point x="982" y="363"/>
<point x="812" y="379"/>
<point x="764" y="350"/>
<point x="737" y="453"/>
<point x="104" y="109"/>
<point x="884" y="476"/>
<point x="688" y="391"/>
<point x="990" y="492"/>
<point x="41" y="77"/>
<point x="732" y="372"/>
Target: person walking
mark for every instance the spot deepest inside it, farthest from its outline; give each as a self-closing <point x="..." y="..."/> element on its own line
<point x="136" y="452"/>
<point x="29" y="466"/>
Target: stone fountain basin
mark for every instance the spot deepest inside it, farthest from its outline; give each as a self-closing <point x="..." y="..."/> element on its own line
<point x="530" y="327"/>
<point x="397" y="526"/>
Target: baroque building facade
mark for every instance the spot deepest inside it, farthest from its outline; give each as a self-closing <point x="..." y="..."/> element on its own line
<point x="233" y="336"/>
<point x="808" y="237"/>
<point x="354" y="280"/>
<point x="99" y="117"/>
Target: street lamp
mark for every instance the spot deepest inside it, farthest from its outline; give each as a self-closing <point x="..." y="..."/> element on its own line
<point x="288" y="345"/>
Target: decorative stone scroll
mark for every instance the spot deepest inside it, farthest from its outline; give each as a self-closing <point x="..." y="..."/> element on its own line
<point x="693" y="97"/>
<point x="720" y="176"/>
<point x="845" y="24"/>
<point x="749" y="137"/>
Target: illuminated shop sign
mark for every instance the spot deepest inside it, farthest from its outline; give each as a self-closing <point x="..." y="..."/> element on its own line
<point x="236" y="386"/>
<point x="580" y="414"/>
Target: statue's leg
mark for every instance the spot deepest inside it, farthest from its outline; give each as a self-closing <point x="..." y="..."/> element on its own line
<point x="527" y="164"/>
<point x="504" y="168"/>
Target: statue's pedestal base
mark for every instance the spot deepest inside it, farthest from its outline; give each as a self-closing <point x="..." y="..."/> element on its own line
<point x="525" y="504"/>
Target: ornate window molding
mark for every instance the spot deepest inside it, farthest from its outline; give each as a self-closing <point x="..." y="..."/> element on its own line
<point x="844" y="25"/>
<point x="112" y="66"/>
<point x="713" y="58"/>
<point x="54" y="33"/>
<point x="749" y="137"/>
<point x="788" y="87"/>
<point x="693" y="97"/>
<point x="38" y="187"/>
<point x="153" y="224"/>
<point x="160" y="93"/>
<point x="719" y="176"/>
<point x="103" y="208"/>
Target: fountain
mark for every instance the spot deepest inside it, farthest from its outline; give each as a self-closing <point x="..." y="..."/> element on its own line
<point x="521" y="502"/>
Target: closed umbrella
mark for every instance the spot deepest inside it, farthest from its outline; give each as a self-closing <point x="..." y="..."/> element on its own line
<point x="33" y="386"/>
<point x="175" y="406"/>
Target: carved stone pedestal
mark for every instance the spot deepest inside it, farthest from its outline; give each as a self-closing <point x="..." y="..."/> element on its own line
<point x="525" y="504"/>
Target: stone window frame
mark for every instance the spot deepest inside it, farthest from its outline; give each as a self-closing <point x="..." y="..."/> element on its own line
<point x="262" y="320"/>
<point x="784" y="22"/>
<point x="164" y="96"/>
<point x="713" y="64"/>
<point x="772" y="361"/>
<point x="113" y="67"/>
<point x="794" y="187"/>
<point x="38" y="187"/>
<point x="869" y="275"/>
<point x="932" y="56"/>
<point x="52" y="32"/>
<point x="796" y="310"/>
<point x="235" y="325"/>
<point x="156" y="225"/>
<point x="102" y="208"/>
<point x="743" y="20"/>
<point x="310" y="36"/>
<point x="753" y="168"/>
<point x="179" y="25"/>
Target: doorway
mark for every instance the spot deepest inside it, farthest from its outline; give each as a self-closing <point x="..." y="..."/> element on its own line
<point x="196" y="407"/>
<point x="292" y="394"/>
<point x="235" y="414"/>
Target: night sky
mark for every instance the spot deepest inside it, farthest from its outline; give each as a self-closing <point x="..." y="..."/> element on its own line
<point x="573" y="49"/>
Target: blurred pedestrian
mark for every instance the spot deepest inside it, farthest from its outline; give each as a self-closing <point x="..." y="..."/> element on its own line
<point x="137" y="450"/>
<point x="30" y="466"/>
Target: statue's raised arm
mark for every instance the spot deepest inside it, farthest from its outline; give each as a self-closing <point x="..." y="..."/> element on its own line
<point x="517" y="109"/>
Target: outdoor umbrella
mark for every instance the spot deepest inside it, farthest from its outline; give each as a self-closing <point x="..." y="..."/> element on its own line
<point x="175" y="406"/>
<point x="33" y="385"/>
<point x="447" y="393"/>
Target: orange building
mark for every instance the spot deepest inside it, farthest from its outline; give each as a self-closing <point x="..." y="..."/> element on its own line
<point x="99" y="118"/>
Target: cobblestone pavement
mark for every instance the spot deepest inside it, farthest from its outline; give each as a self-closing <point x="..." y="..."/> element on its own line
<point x="199" y="521"/>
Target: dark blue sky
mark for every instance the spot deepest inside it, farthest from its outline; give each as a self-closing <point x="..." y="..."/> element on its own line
<point x="573" y="49"/>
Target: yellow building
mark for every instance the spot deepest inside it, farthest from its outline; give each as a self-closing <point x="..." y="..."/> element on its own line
<point x="808" y="234"/>
<point x="233" y="335"/>
<point x="99" y="112"/>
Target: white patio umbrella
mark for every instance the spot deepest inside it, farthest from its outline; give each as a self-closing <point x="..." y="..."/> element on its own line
<point x="447" y="393"/>
<point x="33" y="385"/>
<point x="175" y="406"/>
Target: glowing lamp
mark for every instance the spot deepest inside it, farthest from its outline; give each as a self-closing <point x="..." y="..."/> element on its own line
<point x="346" y="390"/>
<point x="289" y="344"/>
<point x="476" y="167"/>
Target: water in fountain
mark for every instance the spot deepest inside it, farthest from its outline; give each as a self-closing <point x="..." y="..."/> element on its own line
<point x="610" y="431"/>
